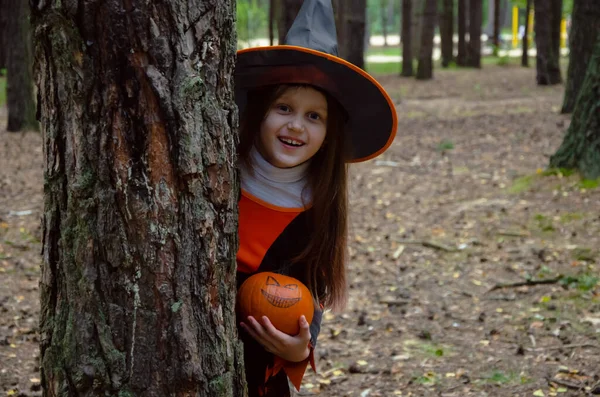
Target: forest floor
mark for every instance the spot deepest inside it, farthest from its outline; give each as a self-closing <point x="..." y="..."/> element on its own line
<point x="459" y="205"/>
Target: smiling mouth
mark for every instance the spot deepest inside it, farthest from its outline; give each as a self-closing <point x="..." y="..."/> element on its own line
<point x="291" y="142"/>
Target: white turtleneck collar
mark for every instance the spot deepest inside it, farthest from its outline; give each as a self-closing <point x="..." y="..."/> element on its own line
<point x="281" y="187"/>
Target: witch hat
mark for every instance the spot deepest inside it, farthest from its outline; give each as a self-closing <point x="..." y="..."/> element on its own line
<point x="309" y="56"/>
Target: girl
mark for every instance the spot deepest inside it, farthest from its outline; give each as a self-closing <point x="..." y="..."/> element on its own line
<point x="305" y="114"/>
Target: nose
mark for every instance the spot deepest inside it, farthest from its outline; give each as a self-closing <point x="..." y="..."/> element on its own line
<point x="296" y="124"/>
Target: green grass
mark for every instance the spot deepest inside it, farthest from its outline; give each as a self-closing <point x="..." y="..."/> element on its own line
<point x="388" y="51"/>
<point x="384" y="68"/>
<point x="2" y="91"/>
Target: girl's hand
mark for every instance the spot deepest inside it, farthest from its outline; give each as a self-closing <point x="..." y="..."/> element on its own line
<point x="290" y="348"/>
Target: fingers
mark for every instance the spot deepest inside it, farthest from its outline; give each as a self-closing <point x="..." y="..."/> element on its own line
<point x="304" y="332"/>
<point x="265" y="334"/>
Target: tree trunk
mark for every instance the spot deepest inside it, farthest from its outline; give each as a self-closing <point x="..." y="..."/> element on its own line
<point x="461" y="58"/>
<point x="19" y="82"/>
<point x="339" y="13"/>
<point x="474" y="45"/>
<point x="272" y="14"/>
<point x="3" y="23"/>
<point x="585" y="24"/>
<point x="446" y="19"/>
<point x="383" y="9"/>
<point x="425" y="67"/>
<point x="288" y="11"/>
<point x="556" y="18"/>
<point x="354" y="27"/>
<point x="407" y="64"/>
<point x="140" y="198"/>
<point x="580" y="148"/>
<point x="496" y="34"/>
<point x="525" y="40"/>
<point x="548" y="70"/>
<point x="417" y="25"/>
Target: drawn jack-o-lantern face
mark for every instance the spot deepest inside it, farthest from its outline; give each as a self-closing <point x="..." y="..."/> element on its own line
<point x="282" y="296"/>
<point x="282" y="299"/>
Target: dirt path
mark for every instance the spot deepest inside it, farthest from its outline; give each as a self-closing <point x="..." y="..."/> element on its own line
<point x="458" y="204"/>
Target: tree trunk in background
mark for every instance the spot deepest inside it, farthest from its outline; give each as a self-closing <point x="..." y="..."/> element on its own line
<point x="496" y="33"/>
<point x="556" y="18"/>
<point x="287" y="13"/>
<point x="446" y="19"/>
<point x="461" y="57"/>
<point x="525" y="41"/>
<point x="547" y="66"/>
<point x="474" y="45"/>
<point x="585" y="25"/>
<point x="383" y="10"/>
<point x="417" y="25"/>
<point x="3" y="23"/>
<point x="354" y="28"/>
<point x="580" y="148"/>
<point x="407" y="65"/>
<point x="425" y="67"/>
<point x="19" y="81"/>
<point x="140" y="198"/>
<point x="339" y="12"/>
<point x="272" y="13"/>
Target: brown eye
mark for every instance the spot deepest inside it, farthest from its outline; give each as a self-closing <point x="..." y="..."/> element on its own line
<point x="314" y="116"/>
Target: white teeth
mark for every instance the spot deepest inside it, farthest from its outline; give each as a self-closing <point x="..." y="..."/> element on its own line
<point x="290" y="142"/>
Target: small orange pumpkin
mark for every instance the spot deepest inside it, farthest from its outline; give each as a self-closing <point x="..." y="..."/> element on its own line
<point x="282" y="299"/>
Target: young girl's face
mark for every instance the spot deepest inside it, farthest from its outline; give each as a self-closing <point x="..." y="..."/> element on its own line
<point x="294" y="127"/>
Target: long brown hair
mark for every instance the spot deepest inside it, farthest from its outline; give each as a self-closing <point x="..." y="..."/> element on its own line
<point x="325" y="254"/>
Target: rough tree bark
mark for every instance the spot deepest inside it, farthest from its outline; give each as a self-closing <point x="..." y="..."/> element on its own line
<point x="19" y="81"/>
<point x="425" y="66"/>
<point x="140" y="198"/>
<point x="585" y="24"/>
<point x="461" y="57"/>
<point x="406" y="34"/>
<point x="547" y="59"/>
<point x="525" y="39"/>
<point x="474" y="45"/>
<point x="354" y="18"/>
<point x="446" y="21"/>
<point x="581" y="146"/>
<point x="288" y="9"/>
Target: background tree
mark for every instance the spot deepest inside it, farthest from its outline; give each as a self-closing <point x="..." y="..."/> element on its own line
<point x="496" y="32"/>
<point x="406" y="35"/>
<point x="425" y="67"/>
<point x="287" y="13"/>
<point x="417" y="26"/>
<point x="525" y="39"/>
<point x="384" y="10"/>
<point x="556" y="17"/>
<point x="446" y="22"/>
<point x="3" y="23"/>
<point x="461" y="57"/>
<point x="19" y="82"/>
<point x="339" y="12"/>
<point x="140" y="198"/>
<point x="474" y="45"/>
<point x="547" y="58"/>
<point x="585" y="24"/>
<point x="354" y="25"/>
<point x="272" y="20"/>
<point x="580" y="149"/>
